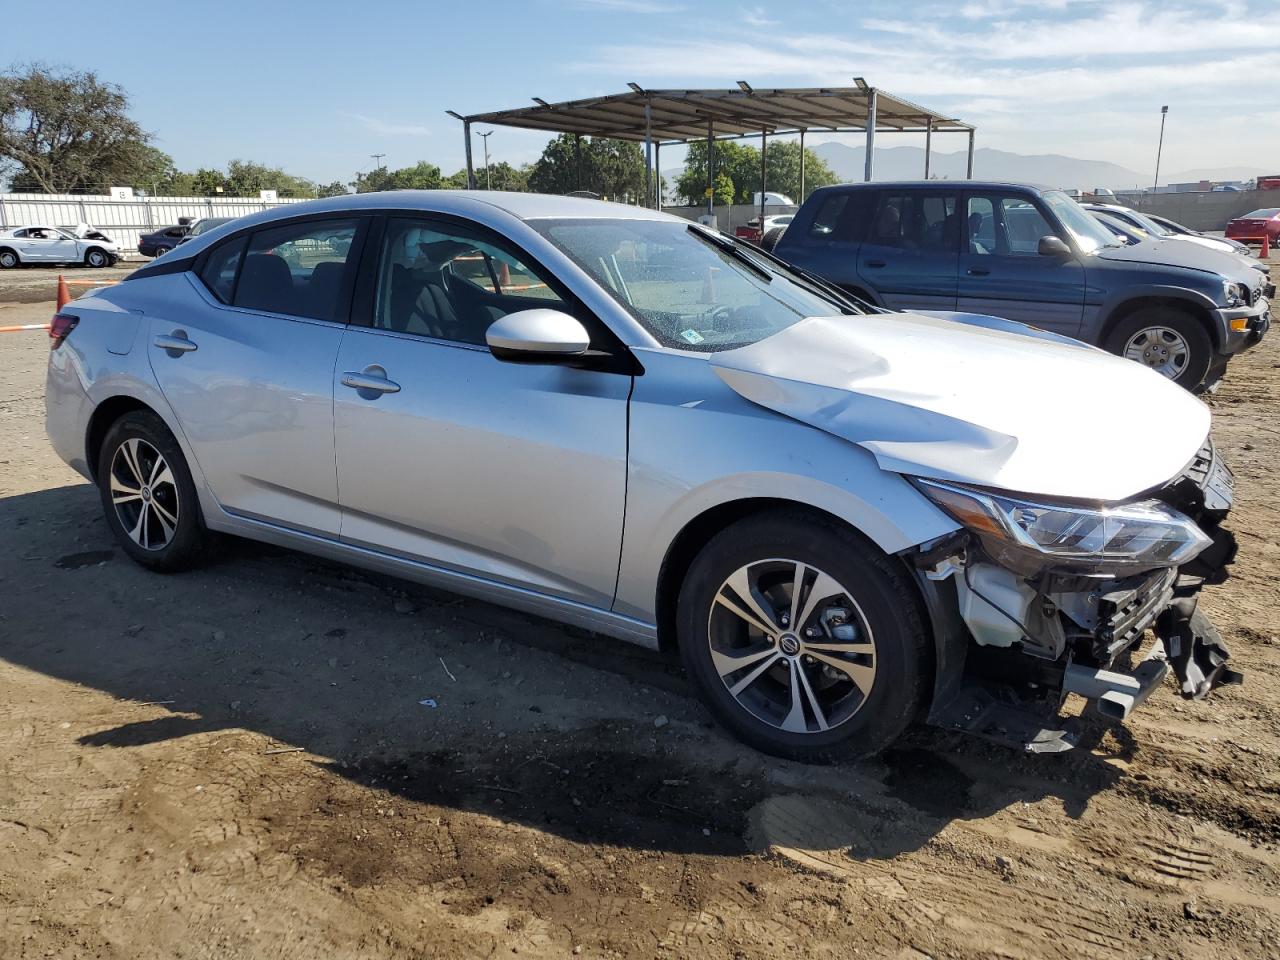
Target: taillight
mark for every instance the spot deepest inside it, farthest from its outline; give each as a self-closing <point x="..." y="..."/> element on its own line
<point x="61" y="325"/>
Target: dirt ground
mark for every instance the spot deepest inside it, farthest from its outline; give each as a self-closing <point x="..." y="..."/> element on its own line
<point x="276" y="757"/>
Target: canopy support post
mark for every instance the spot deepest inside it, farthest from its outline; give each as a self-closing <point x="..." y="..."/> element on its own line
<point x="648" y="155"/>
<point x="802" y="164"/>
<point x="471" y="173"/>
<point x="657" y="175"/>
<point x="711" y="168"/>
<point x="869" y="170"/>
<point x="928" y="145"/>
<point x="764" y="176"/>
<point x="969" y="167"/>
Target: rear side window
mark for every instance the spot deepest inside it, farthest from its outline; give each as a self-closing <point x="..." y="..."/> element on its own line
<point x="842" y="217"/>
<point x="297" y="269"/>
<point x="219" y="272"/>
<point x="916" y="221"/>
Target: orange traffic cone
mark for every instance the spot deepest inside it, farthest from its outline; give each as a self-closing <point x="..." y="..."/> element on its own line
<point x="64" y="295"/>
<point x="504" y="275"/>
<point x="1265" y="252"/>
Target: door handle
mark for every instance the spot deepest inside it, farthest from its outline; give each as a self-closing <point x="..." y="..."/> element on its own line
<point x="978" y="272"/>
<point x="369" y="380"/>
<point x="176" y="343"/>
<point x="876" y="264"/>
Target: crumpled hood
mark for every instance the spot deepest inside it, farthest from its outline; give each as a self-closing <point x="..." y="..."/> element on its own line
<point x="976" y="400"/>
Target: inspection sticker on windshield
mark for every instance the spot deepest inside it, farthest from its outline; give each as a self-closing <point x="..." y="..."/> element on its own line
<point x="691" y="336"/>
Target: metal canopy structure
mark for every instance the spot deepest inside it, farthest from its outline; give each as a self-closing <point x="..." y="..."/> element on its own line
<point x="655" y="117"/>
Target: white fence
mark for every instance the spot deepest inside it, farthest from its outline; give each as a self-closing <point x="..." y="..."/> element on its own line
<point x="122" y="220"/>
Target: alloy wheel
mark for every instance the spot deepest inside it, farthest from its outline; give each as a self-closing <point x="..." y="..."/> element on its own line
<point x="144" y="494"/>
<point x="97" y="259"/>
<point x="8" y="259"/>
<point x="1162" y="349"/>
<point x="791" y="645"/>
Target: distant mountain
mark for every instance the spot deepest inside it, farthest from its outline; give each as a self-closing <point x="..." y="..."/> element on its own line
<point x="1050" y="169"/>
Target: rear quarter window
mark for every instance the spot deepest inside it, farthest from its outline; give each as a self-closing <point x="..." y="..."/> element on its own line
<point x="219" y="271"/>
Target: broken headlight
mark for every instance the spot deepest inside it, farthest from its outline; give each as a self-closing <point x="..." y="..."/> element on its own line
<point x="1026" y="535"/>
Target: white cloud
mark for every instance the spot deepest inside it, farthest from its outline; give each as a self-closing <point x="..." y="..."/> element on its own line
<point x="756" y="17"/>
<point x="387" y="129"/>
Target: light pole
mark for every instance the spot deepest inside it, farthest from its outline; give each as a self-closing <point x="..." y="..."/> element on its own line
<point x="488" y="183"/>
<point x="1164" y="112"/>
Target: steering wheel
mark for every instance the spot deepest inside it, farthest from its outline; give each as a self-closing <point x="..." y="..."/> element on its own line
<point x="718" y="316"/>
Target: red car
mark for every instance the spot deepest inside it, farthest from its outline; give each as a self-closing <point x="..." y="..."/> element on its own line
<point x="1253" y="226"/>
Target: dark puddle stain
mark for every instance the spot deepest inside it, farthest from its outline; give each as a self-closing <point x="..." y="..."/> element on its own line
<point x="74" y="561"/>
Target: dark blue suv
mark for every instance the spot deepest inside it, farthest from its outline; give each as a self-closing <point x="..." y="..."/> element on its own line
<point x="1034" y="255"/>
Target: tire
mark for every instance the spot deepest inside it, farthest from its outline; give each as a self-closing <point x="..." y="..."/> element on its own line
<point x="867" y="693"/>
<point x="770" y="239"/>
<point x="8" y="260"/>
<point x="161" y="251"/>
<point x="127" y="463"/>
<point x="1170" y="341"/>
<point x="96" y="258"/>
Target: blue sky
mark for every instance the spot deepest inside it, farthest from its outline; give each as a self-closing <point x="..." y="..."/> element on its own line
<point x="318" y="87"/>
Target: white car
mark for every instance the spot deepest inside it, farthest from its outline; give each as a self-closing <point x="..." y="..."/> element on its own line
<point x="44" y="244"/>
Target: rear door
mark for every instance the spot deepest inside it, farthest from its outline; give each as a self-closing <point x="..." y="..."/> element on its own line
<point x="246" y="362"/>
<point x="911" y="254"/>
<point x="1002" y="272"/>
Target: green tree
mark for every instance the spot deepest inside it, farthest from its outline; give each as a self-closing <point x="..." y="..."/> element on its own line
<point x="610" y="168"/>
<point x="502" y="176"/>
<point x="335" y="189"/>
<point x="740" y="162"/>
<point x="59" y="128"/>
<point x="421" y="176"/>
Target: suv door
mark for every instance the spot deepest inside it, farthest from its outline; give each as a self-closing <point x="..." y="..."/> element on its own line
<point x="446" y="455"/>
<point x="246" y="362"/>
<point x="1002" y="272"/>
<point x="911" y="254"/>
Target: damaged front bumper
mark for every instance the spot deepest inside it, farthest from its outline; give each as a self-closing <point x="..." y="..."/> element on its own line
<point x="1021" y="645"/>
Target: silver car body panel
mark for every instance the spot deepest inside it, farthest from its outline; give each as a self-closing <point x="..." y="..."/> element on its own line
<point x="935" y="398"/>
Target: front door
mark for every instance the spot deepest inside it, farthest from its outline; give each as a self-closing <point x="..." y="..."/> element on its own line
<point x="247" y="366"/>
<point x="910" y="255"/>
<point x="1003" y="274"/>
<point x="448" y="456"/>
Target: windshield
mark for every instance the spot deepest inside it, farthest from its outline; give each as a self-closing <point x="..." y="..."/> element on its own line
<point x="689" y="287"/>
<point x="1116" y="225"/>
<point x="1266" y="214"/>
<point x="1087" y="232"/>
<point x="1149" y="225"/>
<point x="206" y="225"/>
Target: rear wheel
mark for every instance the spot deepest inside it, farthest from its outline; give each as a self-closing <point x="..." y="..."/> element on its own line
<point x="1170" y="341"/>
<point x="770" y="239"/>
<point x="161" y="251"/>
<point x="148" y="494"/>
<point x="8" y="259"/>
<point x="803" y="638"/>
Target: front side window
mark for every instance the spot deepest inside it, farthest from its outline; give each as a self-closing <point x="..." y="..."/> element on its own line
<point x="1006" y="226"/>
<point x="916" y="221"/>
<point x="1087" y="232"/>
<point x="445" y="282"/>
<point x="688" y="287"/>
<point x="297" y="269"/>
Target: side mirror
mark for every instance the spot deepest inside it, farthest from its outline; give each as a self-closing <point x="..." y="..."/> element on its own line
<point x="1051" y="246"/>
<point x="540" y="335"/>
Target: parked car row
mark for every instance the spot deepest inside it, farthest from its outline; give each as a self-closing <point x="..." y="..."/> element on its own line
<point x="1038" y="257"/>
<point x="844" y="518"/>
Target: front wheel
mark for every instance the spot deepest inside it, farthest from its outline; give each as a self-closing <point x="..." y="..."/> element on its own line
<point x="96" y="259"/>
<point x="803" y="638"/>
<point x="1170" y="341"/>
<point x="148" y="494"/>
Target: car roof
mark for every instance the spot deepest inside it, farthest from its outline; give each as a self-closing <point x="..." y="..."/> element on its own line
<point x="940" y="185"/>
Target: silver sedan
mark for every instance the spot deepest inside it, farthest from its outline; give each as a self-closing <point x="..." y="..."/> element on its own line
<point x="843" y="518"/>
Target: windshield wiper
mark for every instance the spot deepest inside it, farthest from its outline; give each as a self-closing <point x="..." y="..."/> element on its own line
<point x="811" y="280"/>
<point x="730" y="247"/>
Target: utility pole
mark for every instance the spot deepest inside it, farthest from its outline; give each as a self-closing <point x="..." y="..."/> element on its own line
<point x="1164" y="112"/>
<point x="488" y="183"/>
<point x="377" y="160"/>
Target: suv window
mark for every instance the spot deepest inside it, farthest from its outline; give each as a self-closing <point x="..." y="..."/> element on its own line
<point x="443" y="281"/>
<point x="1006" y="226"/>
<point x="916" y="221"/>
<point x="296" y="269"/>
<point x="842" y="217"/>
<point x="219" y="271"/>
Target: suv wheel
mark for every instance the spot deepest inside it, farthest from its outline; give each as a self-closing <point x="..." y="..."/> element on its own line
<point x="148" y="495"/>
<point x="802" y="638"/>
<point x="1170" y="341"/>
